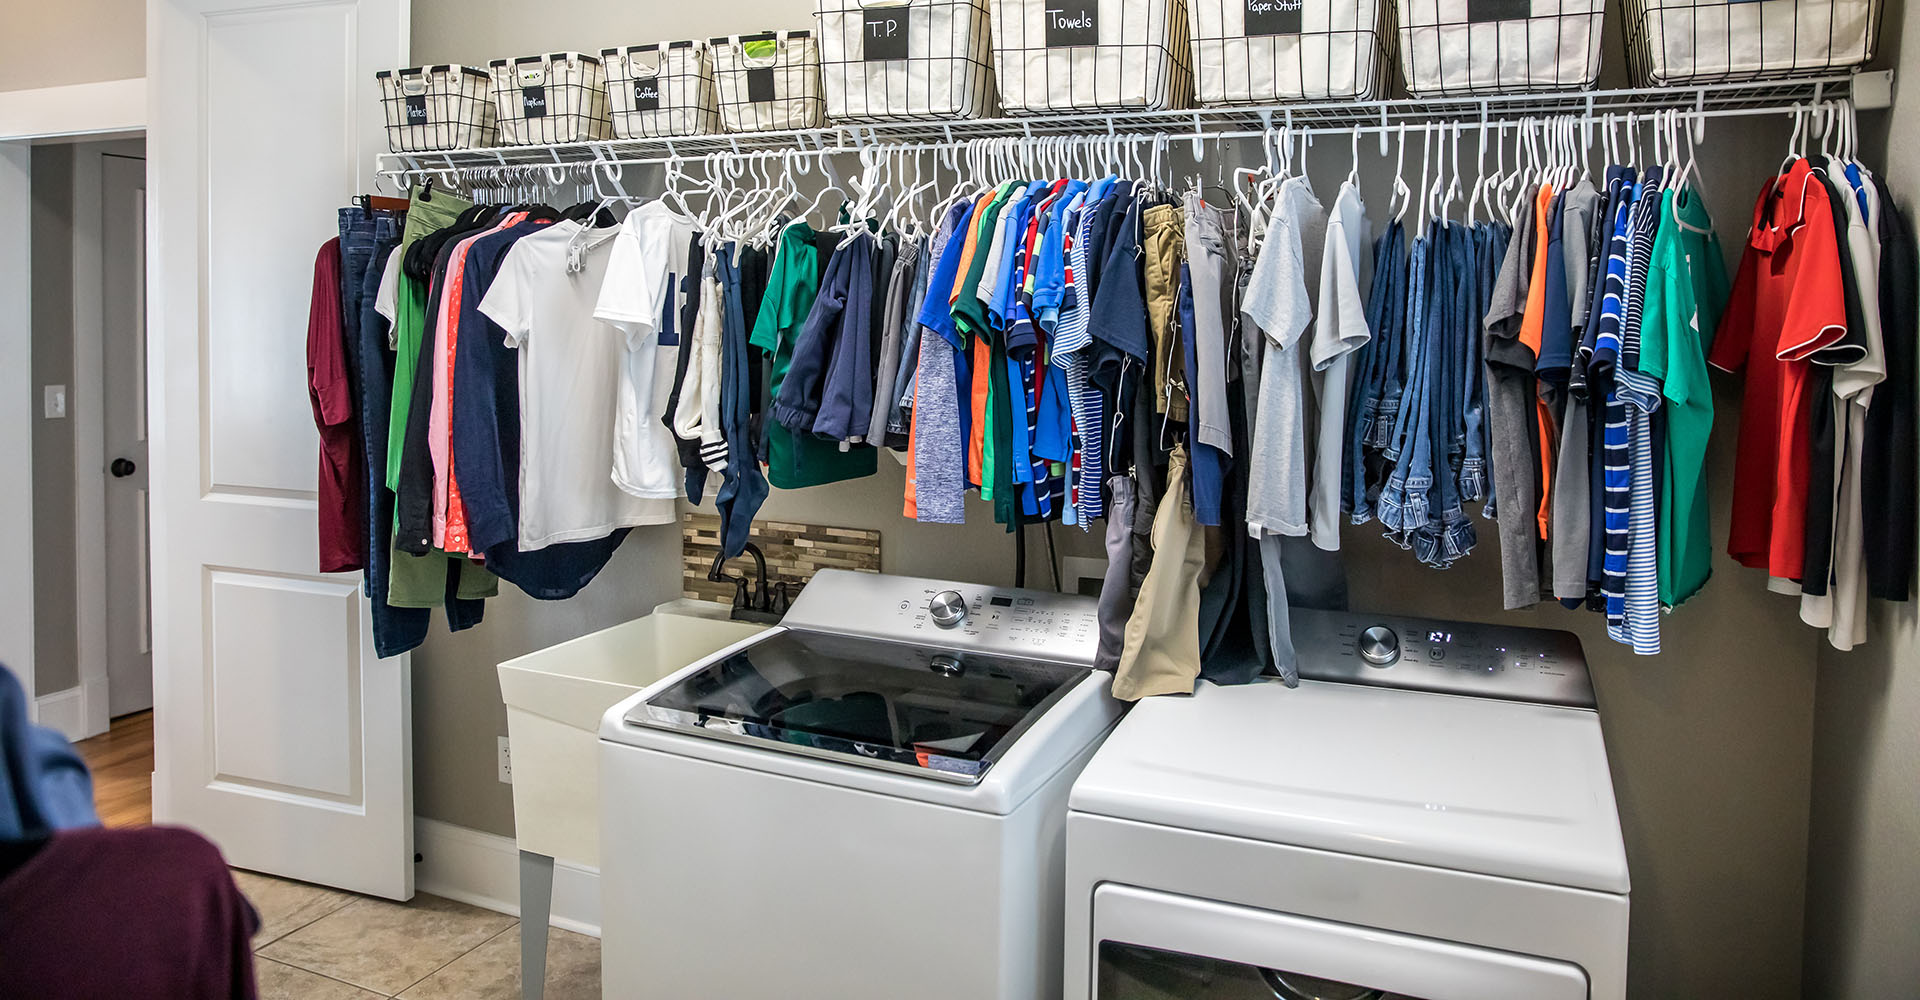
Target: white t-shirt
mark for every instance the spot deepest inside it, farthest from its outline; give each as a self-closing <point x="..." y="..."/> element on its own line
<point x="386" y="300"/>
<point x="1277" y="304"/>
<point x="1339" y="329"/>
<point x="569" y="375"/>
<point x="643" y="298"/>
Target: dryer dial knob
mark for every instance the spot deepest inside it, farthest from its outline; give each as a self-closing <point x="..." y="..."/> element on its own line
<point x="947" y="608"/>
<point x="1379" y="646"/>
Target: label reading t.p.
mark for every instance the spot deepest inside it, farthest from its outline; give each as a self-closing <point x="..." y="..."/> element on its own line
<point x="884" y="33"/>
<point x="533" y="102"/>
<point x="646" y="93"/>
<point x="1273" y="17"/>
<point x="416" y="109"/>
<point x="1498" y="10"/>
<point x="1073" y="22"/>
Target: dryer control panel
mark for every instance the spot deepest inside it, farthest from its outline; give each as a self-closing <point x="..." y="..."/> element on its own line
<point x="1423" y="654"/>
<point x="1007" y="621"/>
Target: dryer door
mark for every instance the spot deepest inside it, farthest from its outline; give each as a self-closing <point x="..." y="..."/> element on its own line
<point x="1159" y="946"/>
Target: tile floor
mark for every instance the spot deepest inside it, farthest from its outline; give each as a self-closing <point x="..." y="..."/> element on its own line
<point x="321" y="944"/>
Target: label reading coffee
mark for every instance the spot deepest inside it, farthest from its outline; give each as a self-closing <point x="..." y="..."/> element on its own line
<point x="1074" y="23"/>
<point x="760" y="84"/>
<point x="416" y="109"/>
<point x="1274" y="17"/>
<point x="1499" y="10"/>
<point x="533" y="102"/>
<point x="885" y="34"/>
<point x="646" y="93"/>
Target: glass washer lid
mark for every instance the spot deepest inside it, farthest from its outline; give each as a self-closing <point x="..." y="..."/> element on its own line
<point x="930" y="712"/>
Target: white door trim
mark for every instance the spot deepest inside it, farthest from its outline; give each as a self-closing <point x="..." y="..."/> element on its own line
<point x="103" y="108"/>
<point x="16" y="420"/>
<point x="89" y="446"/>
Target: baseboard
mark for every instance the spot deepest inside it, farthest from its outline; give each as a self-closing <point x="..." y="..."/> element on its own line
<point x="63" y="711"/>
<point x="483" y="869"/>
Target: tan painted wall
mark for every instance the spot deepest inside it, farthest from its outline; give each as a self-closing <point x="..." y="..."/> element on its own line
<point x="1863" y="867"/>
<point x="55" y="653"/>
<point x="1710" y="743"/>
<point x="48" y="44"/>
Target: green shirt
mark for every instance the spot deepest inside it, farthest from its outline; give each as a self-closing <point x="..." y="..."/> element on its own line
<point x="798" y="461"/>
<point x="1686" y="290"/>
<point x="970" y="317"/>
<point x="424" y="216"/>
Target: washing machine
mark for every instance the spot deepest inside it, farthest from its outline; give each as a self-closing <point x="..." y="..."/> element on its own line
<point x="1428" y="815"/>
<point x="867" y="802"/>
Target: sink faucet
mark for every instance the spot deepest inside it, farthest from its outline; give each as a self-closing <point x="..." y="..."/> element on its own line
<point x="756" y="603"/>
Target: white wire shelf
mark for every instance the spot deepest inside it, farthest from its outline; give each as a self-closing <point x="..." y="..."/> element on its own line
<point x="1869" y="90"/>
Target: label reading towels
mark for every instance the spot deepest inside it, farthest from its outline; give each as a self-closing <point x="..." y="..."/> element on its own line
<point x="1274" y="17"/>
<point x="884" y="35"/>
<point x="1072" y="22"/>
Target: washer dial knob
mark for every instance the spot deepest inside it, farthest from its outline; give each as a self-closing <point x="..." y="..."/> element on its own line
<point x="1379" y="646"/>
<point x="947" y="608"/>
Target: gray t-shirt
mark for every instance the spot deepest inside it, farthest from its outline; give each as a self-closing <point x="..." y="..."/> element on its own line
<point x="1510" y="416"/>
<point x="1339" y="329"/>
<point x="1277" y="305"/>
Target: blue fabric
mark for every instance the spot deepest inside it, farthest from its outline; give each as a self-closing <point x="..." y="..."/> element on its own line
<point x="1119" y="324"/>
<point x="1476" y="480"/>
<point x="1378" y="362"/>
<point x="366" y="240"/>
<point x="743" y="489"/>
<point x="1615" y="463"/>
<point x="800" y="401"/>
<point x="1208" y="464"/>
<point x="44" y="785"/>
<point x="936" y="311"/>
<point x="1447" y="534"/>
<point x="1403" y="498"/>
<point x="486" y="443"/>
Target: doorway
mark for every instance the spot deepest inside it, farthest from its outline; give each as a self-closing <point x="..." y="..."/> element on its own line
<point x="92" y="628"/>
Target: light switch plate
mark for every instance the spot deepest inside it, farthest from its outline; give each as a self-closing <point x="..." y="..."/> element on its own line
<point x="56" y="402"/>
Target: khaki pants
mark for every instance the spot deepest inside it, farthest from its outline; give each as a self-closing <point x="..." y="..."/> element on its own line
<point x="1163" y="242"/>
<point x="1161" y="650"/>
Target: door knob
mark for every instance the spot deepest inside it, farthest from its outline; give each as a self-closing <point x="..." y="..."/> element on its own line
<point x="122" y="468"/>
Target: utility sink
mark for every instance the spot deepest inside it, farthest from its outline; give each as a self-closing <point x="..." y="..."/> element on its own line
<point x="555" y="698"/>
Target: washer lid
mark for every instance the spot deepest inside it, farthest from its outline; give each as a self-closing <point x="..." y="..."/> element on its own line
<point x="1469" y="784"/>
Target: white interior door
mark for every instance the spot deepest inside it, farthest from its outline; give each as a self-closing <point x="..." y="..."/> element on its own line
<point x="123" y="256"/>
<point x="277" y="731"/>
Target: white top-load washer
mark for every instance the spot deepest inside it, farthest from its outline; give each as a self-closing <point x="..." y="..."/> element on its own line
<point x="1428" y="815"/>
<point x="868" y="801"/>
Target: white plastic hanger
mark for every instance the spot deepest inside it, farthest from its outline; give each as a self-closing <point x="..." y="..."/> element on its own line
<point x="1402" y="195"/>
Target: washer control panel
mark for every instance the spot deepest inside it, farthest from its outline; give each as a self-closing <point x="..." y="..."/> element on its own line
<point x="1005" y="620"/>
<point x="1487" y="661"/>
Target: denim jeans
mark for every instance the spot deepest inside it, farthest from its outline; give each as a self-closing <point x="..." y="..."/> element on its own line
<point x="365" y="242"/>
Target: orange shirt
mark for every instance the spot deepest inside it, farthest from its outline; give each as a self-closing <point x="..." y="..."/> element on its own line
<point x="1532" y="325"/>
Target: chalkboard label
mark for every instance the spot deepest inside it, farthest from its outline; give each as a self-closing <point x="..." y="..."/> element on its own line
<point x="760" y="84"/>
<point x="646" y="93"/>
<point x="1499" y="10"/>
<point x="884" y="35"/>
<point x="1273" y="17"/>
<point x="1075" y="22"/>
<point x="416" y="109"/>
<point x="533" y="102"/>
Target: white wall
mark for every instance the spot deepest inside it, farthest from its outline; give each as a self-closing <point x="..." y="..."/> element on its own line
<point x="17" y="411"/>
<point x="54" y="44"/>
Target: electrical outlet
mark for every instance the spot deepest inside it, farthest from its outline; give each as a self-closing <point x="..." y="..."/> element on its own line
<point x="55" y="402"/>
<point x="506" y="763"/>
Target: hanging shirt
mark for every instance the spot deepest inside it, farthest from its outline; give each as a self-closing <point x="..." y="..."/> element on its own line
<point x="1339" y="330"/>
<point x="798" y="460"/>
<point x="341" y="512"/>
<point x="643" y="298"/>
<point x="570" y="364"/>
<point x="1890" y="464"/>
<point x="1277" y="306"/>
<point x="1640" y="622"/>
<point x="1510" y="415"/>
<point x="1786" y="303"/>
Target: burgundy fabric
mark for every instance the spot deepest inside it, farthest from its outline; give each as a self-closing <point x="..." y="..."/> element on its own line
<point x="121" y="914"/>
<point x="343" y="536"/>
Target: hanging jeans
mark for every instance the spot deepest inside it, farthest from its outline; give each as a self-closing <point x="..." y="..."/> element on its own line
<point x="1378" y="365"/>
<point x="365" y="242"/>
<point x="743" y="489"/>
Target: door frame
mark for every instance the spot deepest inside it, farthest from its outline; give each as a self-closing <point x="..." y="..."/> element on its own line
<point x="87" y="411"/>
<point x="58" y="113"/>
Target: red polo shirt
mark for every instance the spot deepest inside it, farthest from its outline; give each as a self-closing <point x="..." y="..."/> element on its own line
<point x="1787" y="303"/>
<point x="341" y="485"/>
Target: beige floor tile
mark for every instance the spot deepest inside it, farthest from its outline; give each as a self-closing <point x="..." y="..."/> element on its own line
<point x="387" y="947"/>
<point x="492" y="971"/>
<point x="286" y="906"/>
<point x="284" y="982"/>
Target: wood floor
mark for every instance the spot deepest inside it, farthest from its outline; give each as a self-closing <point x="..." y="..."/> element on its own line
<point x="122" y="763"/>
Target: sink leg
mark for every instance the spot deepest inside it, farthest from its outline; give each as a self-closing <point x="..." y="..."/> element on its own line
<point x="536" y="909"/>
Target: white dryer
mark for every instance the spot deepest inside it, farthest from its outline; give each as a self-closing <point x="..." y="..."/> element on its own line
<point x="1428" y="815"/>
<point x="866" y="803"/>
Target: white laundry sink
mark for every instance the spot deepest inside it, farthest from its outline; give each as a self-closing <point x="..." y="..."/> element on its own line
<point x="555" y="698"/>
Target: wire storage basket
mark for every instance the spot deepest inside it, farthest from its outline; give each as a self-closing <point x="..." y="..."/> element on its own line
<point x="654" y="91"/>
<point x="437" y="107"/>
<point x="905" y="59"/>
<point x="1499" y="46"/>
<point x="1262" y="51"/>
<point x="1092" y="55"/>
<point x="1713" y="41"/>
<point x="769" y="81"/>
<point x="559" y="97"/>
